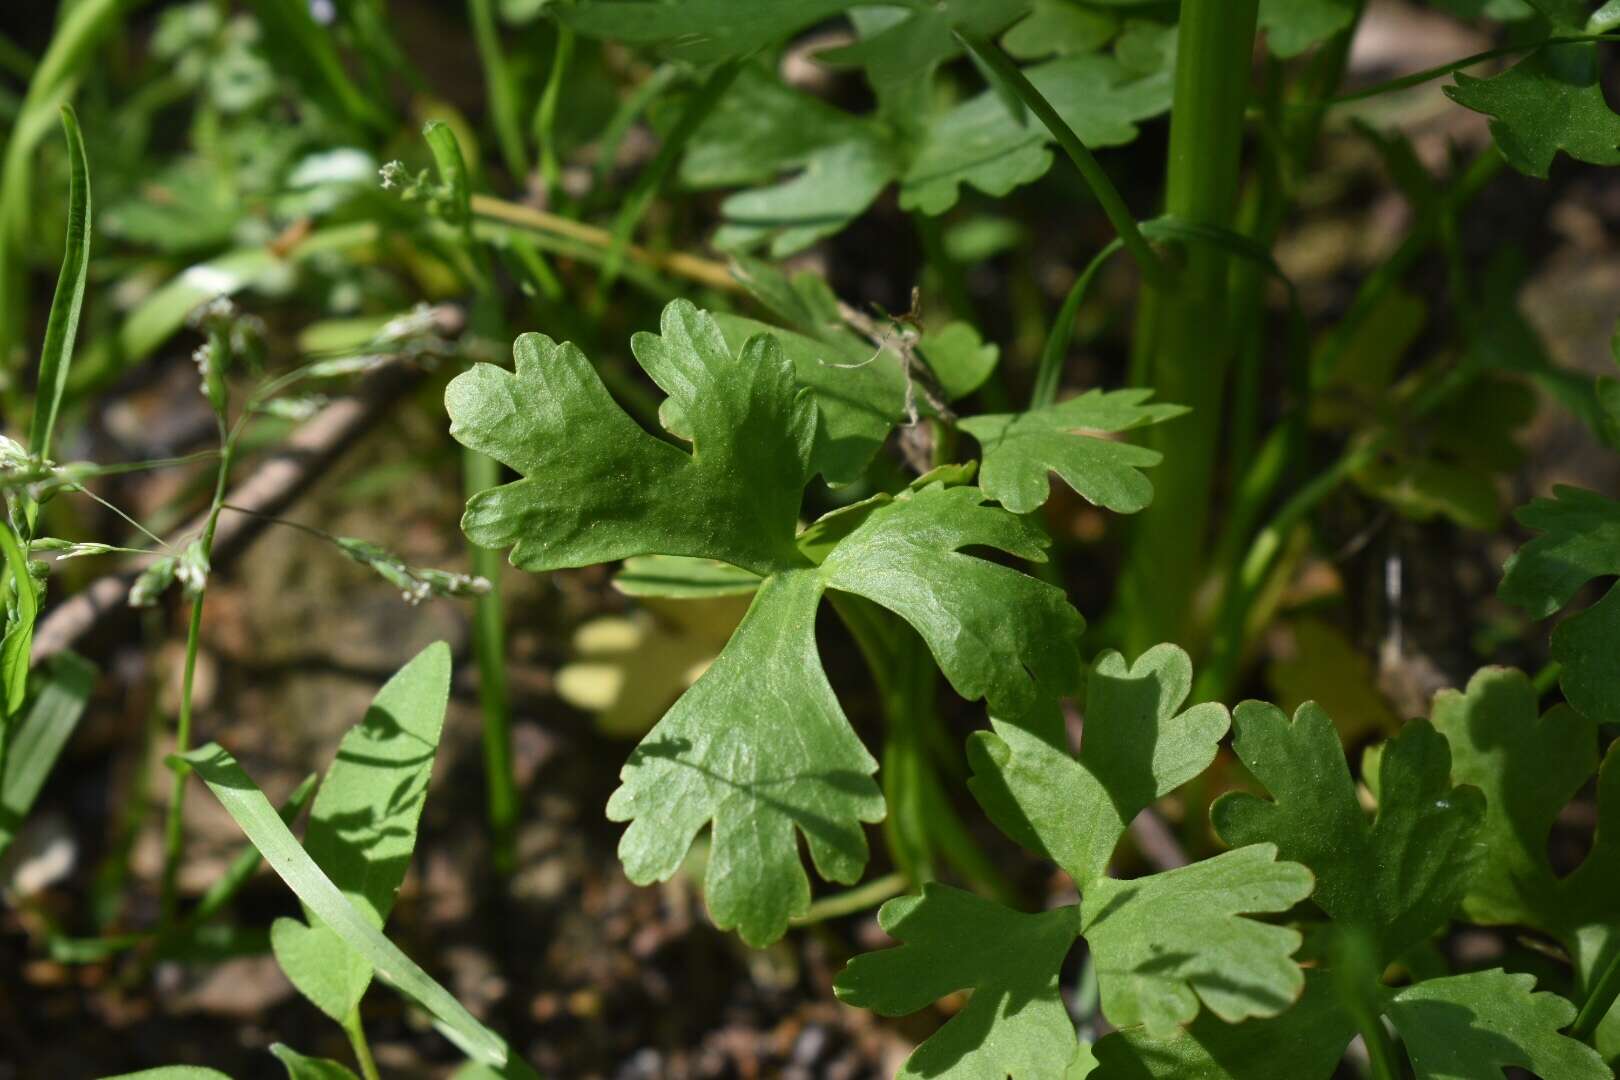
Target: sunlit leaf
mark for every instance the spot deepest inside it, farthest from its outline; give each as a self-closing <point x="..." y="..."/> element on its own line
<point x="1015" y="1024"/>
<point x="362" y="827"/>
<point x="1020" y="449"/>
<point x="1139" y="745"/>
<point x="1166" y="943"/>
<point x="1398" y="876"/>
<point x="258" y="819"/>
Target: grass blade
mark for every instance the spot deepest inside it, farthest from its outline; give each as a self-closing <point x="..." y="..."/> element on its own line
<point x="19" y="632"/>
<point x="35" y="742"/>
<point x="57" y="355"/>
<point x="258" y="819"/>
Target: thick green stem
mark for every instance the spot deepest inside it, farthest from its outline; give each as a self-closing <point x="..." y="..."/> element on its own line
<point x="1182" y="346"/>
<point x="480" y="473"/>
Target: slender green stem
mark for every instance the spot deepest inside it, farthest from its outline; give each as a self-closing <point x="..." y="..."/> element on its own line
<point x="1226" y="645"/>
<point x="1547" y="678"/>
<point x="174" y="838"/>
<point x="1183" y="349"/>
<point x="1381" y="1059"/>
<point x="1231" y="629"/>
<point x="545" y="115"/>
<point x="362" y="1049"/>
<point x="174" y="833"/>
<point x="651" y="180"/>
<point x="480" y="473"/>
<point x="1108" y="196"/>
<point x="1050" y="373"/>
<point x="588" y="242"/>
<point x="861" y="897"/>
<point x="1248" y="567"/>
<point x="499" y="85"/>
<point x="1597" y="1003"/>
<point x="1451" y="67"/>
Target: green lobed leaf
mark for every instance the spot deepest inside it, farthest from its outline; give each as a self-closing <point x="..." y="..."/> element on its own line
<point x="362" y="826"/>
<point x="1551" y="100"/>
<point x="761" y="128"/>
<point x="960" y="359"/>
<point x="910" y="49"/>
<point x="1397" y="877"/>
<point x="978" y="143"/>
<point x="760" y="748"/>
<point x="1469" y="1027"/>
<point x="1579" y="541"/>
<point x="1020" y="449"/>
<point x="1292" y="26"/>
<point x="860" y="391"/>
<point x="1163" y="944"/>
<point x="699" y="30"/>
<point x="1586" y="645"/>
<point x="173" y="1072"/>
<point x="837" y="185"/>
<point x="718" y="757"/>
<point x="735" y="497"/>
<point x="1529" y="768"/>
<point x="34" y="740"/>
<point x="906" y="556"/>
<point x="1062" y="27"/>
<point x="1306" y="1042"/>
<point x="704" y="31"/>
<point x="1465" y="443"/>
<point x="1015" y="1024"/>
<point x="1137" y="748"/>
<point x="859" y="397"/>
<point x="258" y="819"/>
